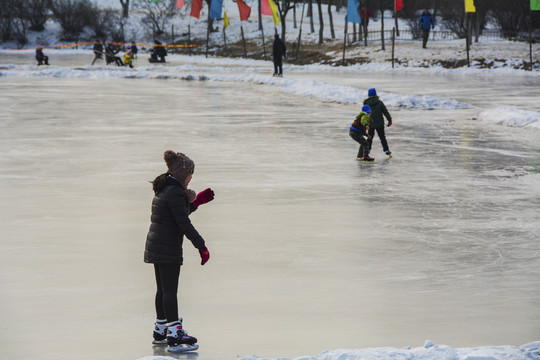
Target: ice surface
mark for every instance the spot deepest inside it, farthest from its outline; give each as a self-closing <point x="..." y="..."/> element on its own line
<point x="311" y="250"/>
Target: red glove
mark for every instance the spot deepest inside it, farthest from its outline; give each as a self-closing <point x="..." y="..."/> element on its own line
<point x="205" y="255"/>
<point x="203" y="197"/>
<point x="389" y="123"/>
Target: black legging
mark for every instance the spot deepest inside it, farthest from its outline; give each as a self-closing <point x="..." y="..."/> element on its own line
<point x="382" y="137"/>
<point x="167" y="276"/>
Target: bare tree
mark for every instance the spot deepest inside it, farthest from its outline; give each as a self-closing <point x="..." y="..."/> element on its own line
<point x="321" y="22"/>
<point x="35" y="11"/>
<point x="125" y="8"/>
<point x="156" y="14"/>
<point x="331" y="19"/>
<point x="72" y="15"/>
<point x="284" y="6"/>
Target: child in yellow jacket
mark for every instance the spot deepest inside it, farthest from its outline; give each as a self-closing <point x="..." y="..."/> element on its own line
<point x="128" y="59"/>
<point x="359" y="129"/>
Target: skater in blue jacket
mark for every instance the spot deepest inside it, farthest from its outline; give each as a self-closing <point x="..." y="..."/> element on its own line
<point x="426" y="23"/>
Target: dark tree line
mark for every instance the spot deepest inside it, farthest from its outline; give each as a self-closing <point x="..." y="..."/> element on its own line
<point x="18" y="17"/>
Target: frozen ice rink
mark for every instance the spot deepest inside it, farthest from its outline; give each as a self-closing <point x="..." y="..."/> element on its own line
<point x="310" y="249"/>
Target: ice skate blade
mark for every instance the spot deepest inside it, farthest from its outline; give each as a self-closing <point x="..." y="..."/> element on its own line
<point x="182" y="348"/>
<point x="159" y="342"/>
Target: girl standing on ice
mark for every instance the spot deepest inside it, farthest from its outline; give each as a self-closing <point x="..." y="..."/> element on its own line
<point x="171" y="206"/>
<point x="359" y="129"/>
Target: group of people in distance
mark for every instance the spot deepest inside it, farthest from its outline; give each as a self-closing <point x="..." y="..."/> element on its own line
<point x="110" y="50"/>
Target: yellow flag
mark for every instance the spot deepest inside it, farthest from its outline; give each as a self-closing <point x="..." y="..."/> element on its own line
<point x="275" y="13"/>
<point x="225" y="20"/>
<point x="469" y="6"/>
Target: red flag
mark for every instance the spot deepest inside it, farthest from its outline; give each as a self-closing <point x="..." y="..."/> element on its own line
<point x="244" y="10"/>
<point x="265" y="8"/>
<point x="196" y="6"/>
<point x="398" y="5"/>
<point x="179" y="4"/>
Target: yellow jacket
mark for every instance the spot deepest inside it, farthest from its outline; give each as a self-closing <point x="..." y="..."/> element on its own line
<point x="127" y="58"/>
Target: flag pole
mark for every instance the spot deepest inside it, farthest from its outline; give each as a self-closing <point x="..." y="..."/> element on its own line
<point x="345" y="39"/>
<point x="300" y="32"/>
<point x="530" y="37"/>
<point x="243" y="39"/>
<point x="396" y="18"/>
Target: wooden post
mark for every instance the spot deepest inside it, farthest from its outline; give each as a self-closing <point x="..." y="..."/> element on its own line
<point x="382" y="28"/>
<point x="530" y="38"/>
<point x="264" y="45"/>
<point x="300" y="33"/>
<point x="345" y="39"/>
<point x="172" y="38"/>
<point x="393" y="44"/>
<point x="189" y="38"/>
<point x="396" y="18"/>
<point x="467" y="37"/>
<point x="225" y="39"/>
<point x="208" y="33"/>
<point x="243" y="40"/>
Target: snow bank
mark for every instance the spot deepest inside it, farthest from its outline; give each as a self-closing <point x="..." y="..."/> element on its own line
<point x="511" y="117"/>
<point x="299" y="87"/>
<point x="429" y="351"/>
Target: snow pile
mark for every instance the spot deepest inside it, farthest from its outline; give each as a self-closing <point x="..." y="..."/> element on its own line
<point x="319" y="90"/>
<point x="429" y="351"/>
<point x="511" y="117"/>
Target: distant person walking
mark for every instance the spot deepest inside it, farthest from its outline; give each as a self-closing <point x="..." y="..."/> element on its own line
<point x="41" y="58"/>
<point x="279" y="51"/>
<point x="360" y="128"/>
<point x="426" y="23"/>
<point x="378" y="109"/>
<point x="364" y="16"/>
<point x="134" y="49"/>
<point x="98" y="51"/>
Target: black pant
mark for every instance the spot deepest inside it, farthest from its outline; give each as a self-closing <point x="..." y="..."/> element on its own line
<point x="359" y="138"/>
<point x="425" y="37"/>
<point x="278" y="66"/>
<point x="167" y="276"/>
<point x="382" y="137"/>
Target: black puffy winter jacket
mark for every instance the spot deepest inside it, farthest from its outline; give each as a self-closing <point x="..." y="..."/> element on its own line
<point x="169" y="223"/>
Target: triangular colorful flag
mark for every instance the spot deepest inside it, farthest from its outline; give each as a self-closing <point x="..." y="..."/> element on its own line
<point x="269" y="7"/>
<point x="225" y="20"/>
<point x="535" y="4"/>
<point x="469" y="6"/>
<point x="215" y="9"/>
<point x="352" y="12"/>
<point x="398" y="5"/>
<point x="245" y="10"/>
<point x="196" y="6"/>
<point x="180" y="4"/>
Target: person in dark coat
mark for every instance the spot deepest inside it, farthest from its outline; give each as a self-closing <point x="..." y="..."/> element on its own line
<point x="172" y="204"/>
<point x="158" y="53"/>
<point x="98" y="51"/>
<point x="134" y="49"/>
<point x="426" y="22"/>
<point x="279" y="51"/>
<point x="378" y="109"/>
<point x="110" y="55"/>
<point x="41" y="57"/>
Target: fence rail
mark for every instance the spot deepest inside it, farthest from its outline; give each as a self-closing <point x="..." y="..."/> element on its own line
<point x="408" y="35"/>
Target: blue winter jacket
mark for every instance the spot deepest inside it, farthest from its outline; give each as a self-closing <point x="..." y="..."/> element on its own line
<point x="426" y="21"/>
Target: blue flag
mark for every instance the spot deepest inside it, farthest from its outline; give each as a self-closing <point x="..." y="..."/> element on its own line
<point x="215" y="9"/>
<point x="352" y="11"/>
